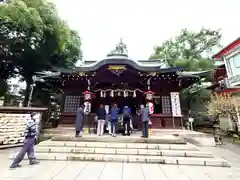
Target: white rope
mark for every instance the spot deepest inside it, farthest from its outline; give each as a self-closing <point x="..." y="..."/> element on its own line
<point x="118" y="90"/>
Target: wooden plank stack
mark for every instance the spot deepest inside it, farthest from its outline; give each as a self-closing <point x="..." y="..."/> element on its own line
<point x="12" y="127"/>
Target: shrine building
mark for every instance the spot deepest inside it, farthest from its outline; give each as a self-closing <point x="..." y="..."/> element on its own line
<point x="126" y="82"/>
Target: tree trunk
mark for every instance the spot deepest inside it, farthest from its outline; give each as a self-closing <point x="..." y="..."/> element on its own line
<point x="189" y="107"/>
<point x="236" y="127"/>
<point x="3" y="87"/>
<point x="29" y="82"/>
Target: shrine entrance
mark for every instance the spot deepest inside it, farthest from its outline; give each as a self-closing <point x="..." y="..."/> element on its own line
<point x="132" y="102"/>
<point x="131" y="98"/>
<point x="118" y="84"/>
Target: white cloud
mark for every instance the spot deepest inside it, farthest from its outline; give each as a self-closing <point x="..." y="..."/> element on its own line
<point x="143" y="24"/>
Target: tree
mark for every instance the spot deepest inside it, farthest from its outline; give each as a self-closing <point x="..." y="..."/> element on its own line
<point x="35" y="38"/>
<point x="192" y="51"/>
<point x="224" y="105"/>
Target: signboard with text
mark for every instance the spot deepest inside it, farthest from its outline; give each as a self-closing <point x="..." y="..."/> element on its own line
<point x="175" y="101"/>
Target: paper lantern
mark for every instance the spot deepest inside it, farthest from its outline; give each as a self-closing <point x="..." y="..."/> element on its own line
<point x="87" y="95"/>
<point x="151" y="108"/>
<point x="149" y="95"/>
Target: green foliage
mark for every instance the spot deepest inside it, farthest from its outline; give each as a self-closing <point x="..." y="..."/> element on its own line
<point x="39" y="34"/>
<point x="195" y="96"/>
<point x="192" y="51"/>
<point x="3" y="87"/>
<point x="34" y="38"/>
<point x="194" y="65"/>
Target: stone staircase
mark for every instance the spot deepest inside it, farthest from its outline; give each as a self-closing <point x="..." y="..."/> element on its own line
<point x="176" y="154"/>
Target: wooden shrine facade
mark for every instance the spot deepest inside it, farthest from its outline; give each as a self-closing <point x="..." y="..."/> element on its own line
<point x="118" y="79"/>
<point x="125" y="82"/>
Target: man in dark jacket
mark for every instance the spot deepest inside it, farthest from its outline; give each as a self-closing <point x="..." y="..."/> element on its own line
<point x="101" y="113"/>
<point x="79" y="120"/>
<point x="126" y="121"/>
<point x="114" y="111"/>
<point x="145" y="120"/>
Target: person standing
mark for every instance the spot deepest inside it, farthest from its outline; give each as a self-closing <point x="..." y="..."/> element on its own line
<point x="29" y="142"/>
<point x="101" y="113"/>
<point x="79" y="120"/>
<point x="108" y="119"/>
<point x="113" y="119"/>
<point x="126" y="121"/>
<point x="145" y="120"/>
<point x="130" y="121"/>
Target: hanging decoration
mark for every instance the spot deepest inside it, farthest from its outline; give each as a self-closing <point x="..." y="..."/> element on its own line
<point x="87" y="95"/>
<point x="112" y="93"/>
<point x="116" y="69"/>
<point x="63" y="83"/>
<point x="134" y="94"/>
<point x="125" y="92"/>
<point x="149" y="95"/>
<point x="151" y="107"/>
<point x="87" y="107"/>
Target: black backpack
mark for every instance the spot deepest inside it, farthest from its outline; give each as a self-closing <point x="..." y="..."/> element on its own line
<point x="126" y="114"/>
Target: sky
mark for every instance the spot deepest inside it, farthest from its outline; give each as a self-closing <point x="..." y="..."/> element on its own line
<point x="143" y="24"/>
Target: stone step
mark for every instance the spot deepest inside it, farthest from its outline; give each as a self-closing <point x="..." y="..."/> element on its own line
<point x="50" y="143"/>
<point x="132" y="159"/>
<point x="169" y="139"/>
<point x="59" y="130"/>
<point x="121" y="151"/>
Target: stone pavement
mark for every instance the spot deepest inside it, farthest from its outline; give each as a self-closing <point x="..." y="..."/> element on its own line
<point x="60" y="170"/>
<point x="117" y="171"/>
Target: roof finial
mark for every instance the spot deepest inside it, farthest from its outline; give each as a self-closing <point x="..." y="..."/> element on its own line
<point x="121" y="49"/>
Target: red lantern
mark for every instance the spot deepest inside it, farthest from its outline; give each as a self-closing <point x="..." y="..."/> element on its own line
<point x="151" y="108"/>
<point x="149" y="95"/>
<point x="87" y="95"/>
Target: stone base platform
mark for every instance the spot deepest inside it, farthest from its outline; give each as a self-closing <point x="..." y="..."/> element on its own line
<point x="198" y="138"/>
<point x="167" y="139"/>
<point x="176" y="154"/>
<point x="195" y="137"/>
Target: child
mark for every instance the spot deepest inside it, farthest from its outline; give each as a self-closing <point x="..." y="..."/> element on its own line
<point x="29" y="142"/>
